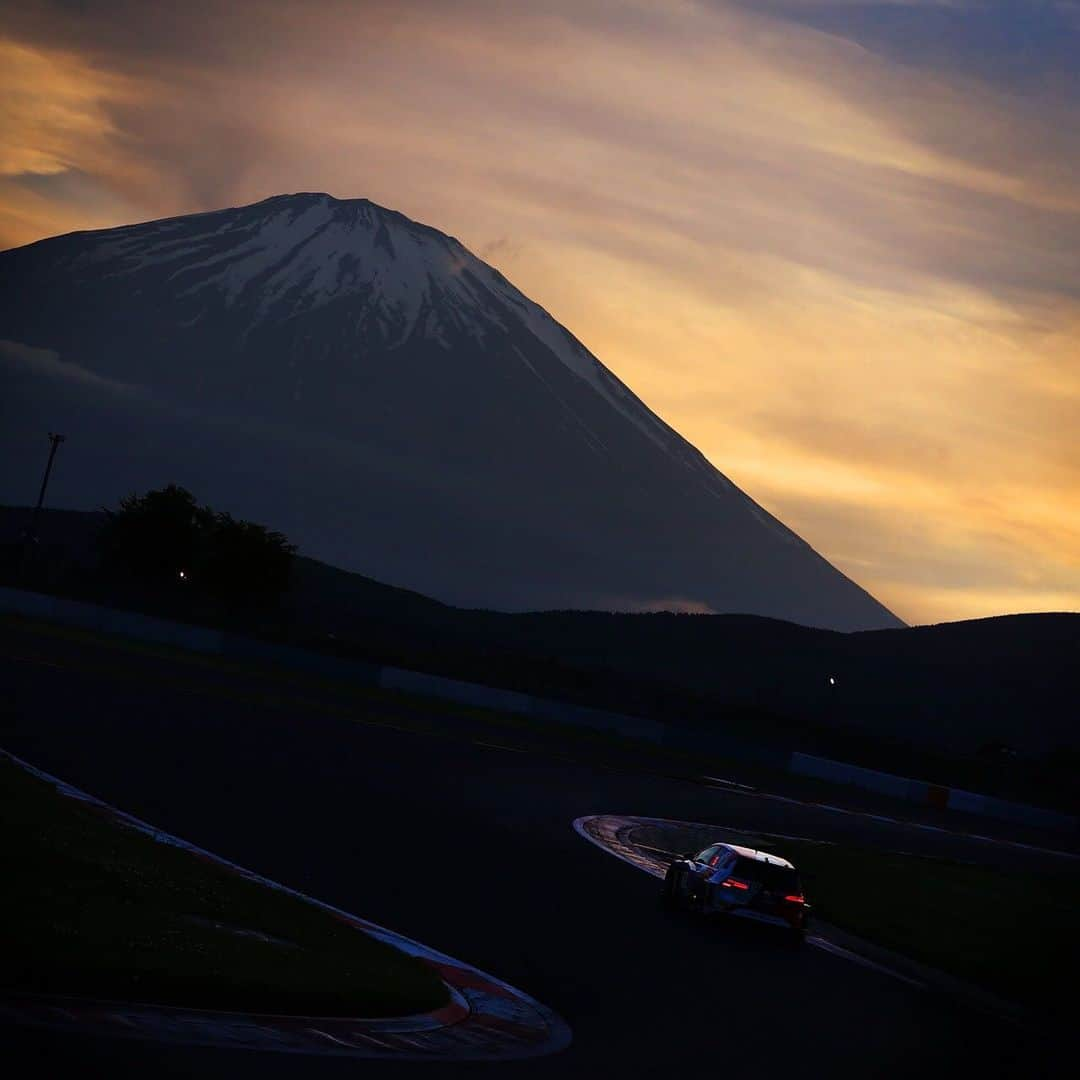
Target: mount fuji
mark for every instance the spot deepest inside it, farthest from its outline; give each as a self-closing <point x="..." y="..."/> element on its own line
<point x="370" y="387"/>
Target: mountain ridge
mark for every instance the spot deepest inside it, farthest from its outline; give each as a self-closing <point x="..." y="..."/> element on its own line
<point x="421" y="380"/>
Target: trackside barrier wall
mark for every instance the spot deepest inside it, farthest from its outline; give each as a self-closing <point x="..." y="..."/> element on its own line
<point x="899" y="787"/>
<point x="203" y="640"/>
<point x="919" y="791"/>
<point x="235" y="647"/>
<point x="490" y="697"/>
<point x="971" y="803"/>
<point x="109" y="621"/>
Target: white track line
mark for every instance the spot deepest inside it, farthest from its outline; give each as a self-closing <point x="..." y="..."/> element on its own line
<point x="728" y="783"/>
<point x="855" y="958"/>
<point x="499" y="746"/>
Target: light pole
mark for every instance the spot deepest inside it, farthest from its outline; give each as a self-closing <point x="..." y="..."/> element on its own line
<point x="30" y="537"/>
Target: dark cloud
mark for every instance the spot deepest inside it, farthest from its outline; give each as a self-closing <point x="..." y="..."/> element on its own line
<point x="1032" y="46"/>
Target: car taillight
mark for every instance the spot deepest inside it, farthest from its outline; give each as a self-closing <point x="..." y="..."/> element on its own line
<point x="795" y="899"/>
<point x="731" y="883"/>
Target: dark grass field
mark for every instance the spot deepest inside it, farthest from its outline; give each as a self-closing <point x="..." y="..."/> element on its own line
<point x="92" y="908"/>
<point x="1014" y="934"/>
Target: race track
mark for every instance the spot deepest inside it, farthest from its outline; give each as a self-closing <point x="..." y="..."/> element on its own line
<point x="472" y="849"/>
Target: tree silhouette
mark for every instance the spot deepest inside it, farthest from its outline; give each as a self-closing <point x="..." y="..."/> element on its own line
<point x="245" y="564"/>
<point x="165" y="540"/>
<point x="154" y="538"/>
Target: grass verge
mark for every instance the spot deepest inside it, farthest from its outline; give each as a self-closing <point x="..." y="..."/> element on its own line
<point x="1011" y="933"/>
<point x="93" y="908"/>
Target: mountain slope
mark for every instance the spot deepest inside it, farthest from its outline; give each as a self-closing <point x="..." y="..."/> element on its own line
<point x="391" y="402"/>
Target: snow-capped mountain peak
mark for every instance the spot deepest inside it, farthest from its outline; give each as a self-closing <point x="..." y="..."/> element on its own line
<point x="396" y="405"/>
<point x="292" y="254"/>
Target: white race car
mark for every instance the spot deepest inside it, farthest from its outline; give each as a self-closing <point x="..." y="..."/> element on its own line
<point x="732" y="880"/>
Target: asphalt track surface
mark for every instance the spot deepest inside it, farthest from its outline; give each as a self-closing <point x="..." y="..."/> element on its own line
<point x="471" y="849"/>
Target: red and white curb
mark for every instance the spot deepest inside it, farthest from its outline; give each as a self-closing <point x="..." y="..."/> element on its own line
<point x="485" y="1020"/>
<point x="612" y="833"/>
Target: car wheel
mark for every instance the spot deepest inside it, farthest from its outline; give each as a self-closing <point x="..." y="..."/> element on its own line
<point x="669" y="894"/>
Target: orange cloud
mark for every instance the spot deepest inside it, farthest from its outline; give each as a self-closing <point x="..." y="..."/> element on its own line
<point x="50" y="109"/>
<point x="851" y="282"/>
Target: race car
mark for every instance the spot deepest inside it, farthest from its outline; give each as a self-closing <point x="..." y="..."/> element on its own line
<point x="732" y="880"/>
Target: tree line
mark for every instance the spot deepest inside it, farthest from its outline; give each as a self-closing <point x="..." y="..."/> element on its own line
<point x="167" y="541"/>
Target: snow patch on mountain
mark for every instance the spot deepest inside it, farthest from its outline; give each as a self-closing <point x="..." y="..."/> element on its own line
<point x="294" y="254"/>
<point x="299" y="253"/>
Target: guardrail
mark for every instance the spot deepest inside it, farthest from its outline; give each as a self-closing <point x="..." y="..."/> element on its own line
<point x="927" y="794"/>
<point x="203" y="640"/>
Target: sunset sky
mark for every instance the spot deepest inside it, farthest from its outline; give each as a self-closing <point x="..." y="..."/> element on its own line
<point x="835" y="244"/>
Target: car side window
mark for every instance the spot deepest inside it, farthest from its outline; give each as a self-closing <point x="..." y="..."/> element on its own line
<point x="708" y="855"/>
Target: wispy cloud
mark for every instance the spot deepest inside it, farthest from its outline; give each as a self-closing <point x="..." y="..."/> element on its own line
<point x="677" y="605"/>
<point x="16" y="358"/>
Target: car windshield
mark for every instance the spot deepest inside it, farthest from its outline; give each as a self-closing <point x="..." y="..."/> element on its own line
<point x="776" y="878"/>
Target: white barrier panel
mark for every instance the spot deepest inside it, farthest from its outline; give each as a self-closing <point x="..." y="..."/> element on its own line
<point x="967" y="801"/>
<point x="42" y="606"/>
<point x="899" y="787"/>
<point x="464" y="693"/>
<point x="110" y="621"/>
<point x="235" y="646"/>
<point x="1010" y="811"/>
<point x="490" y="697"/>
<point x="919" y="791"/>
<point x="635" y="727"/>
